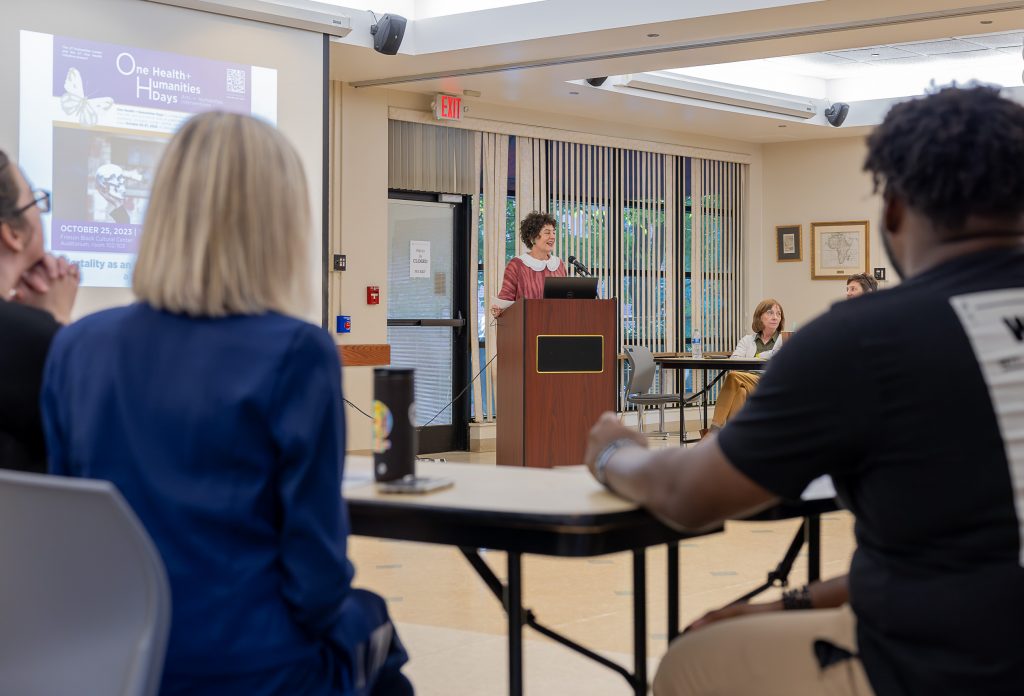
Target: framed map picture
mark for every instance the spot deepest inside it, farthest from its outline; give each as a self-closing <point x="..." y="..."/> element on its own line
<point x="839" y="249"/>
<point x="787" y="243"/>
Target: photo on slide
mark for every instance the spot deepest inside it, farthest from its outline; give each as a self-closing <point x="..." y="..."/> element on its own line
<point x="101" y="188"/>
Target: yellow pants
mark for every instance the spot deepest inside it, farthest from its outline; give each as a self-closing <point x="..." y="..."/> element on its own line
<point x="733" y="394"/>
<point x="769" y="654"/>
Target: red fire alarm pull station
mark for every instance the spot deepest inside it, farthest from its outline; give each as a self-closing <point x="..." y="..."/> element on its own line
<point x="372" y="294"/>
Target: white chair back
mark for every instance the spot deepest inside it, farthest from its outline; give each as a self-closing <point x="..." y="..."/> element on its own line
<point x="84" y="599"/>
<point x="641" y="370"/>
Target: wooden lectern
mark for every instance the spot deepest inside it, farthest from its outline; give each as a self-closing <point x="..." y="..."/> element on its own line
<point x="556" y="376"/>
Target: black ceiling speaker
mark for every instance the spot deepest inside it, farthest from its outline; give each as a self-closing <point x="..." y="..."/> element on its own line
<point x="596" y="81"/>
<point x="388" y="33"/>
<point x="836" y="113"/>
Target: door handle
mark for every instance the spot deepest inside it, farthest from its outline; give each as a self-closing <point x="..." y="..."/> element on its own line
<point x="457" y="323"/>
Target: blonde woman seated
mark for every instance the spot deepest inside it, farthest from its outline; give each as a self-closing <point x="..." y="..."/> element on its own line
<point x="217" y="412"/>
<point x="768" y="324"/>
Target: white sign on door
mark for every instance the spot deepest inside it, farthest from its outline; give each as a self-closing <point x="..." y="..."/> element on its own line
<point x="419" y="259"/>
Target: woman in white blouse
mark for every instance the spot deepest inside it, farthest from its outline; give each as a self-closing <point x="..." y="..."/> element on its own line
<point x="768" y="324"/>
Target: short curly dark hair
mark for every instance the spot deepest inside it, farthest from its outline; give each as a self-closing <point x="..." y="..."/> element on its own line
<point x="532" y="224"/>
<point x="952" y="154"/>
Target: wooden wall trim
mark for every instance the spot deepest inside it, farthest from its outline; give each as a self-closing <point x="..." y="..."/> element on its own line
<point x="365" y="354"/>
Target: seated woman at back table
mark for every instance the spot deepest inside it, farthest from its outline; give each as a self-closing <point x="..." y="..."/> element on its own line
<point x="768" y="323"/>
<point x="217" y="414"/>
<point x="525" y="274"/>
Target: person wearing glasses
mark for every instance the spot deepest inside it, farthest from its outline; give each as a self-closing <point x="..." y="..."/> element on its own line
<point x="216" y="410"/>
<point x="36" y="295"/>
<point x="768" y="323"/>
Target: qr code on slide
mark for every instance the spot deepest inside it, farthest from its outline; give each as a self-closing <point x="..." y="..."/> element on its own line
<point x="236" y="81"/>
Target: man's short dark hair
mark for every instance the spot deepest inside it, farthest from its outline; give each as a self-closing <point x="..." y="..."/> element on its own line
<point x="952" y="154"/>
<point x="532" y="224"/>
<point x="866" y="282"/>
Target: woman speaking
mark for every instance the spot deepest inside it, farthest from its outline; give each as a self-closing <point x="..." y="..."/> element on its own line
<point x="525" y="274"/>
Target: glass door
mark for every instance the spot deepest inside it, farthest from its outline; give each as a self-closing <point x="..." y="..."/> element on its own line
<point x="427" y="328"/>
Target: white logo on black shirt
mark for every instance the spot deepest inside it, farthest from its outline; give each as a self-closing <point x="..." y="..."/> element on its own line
<point x="994" y="325"/>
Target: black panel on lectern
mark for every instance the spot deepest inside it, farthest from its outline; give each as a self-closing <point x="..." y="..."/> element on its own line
<point x="570" y="353"/>
<point x="570" y="288"/>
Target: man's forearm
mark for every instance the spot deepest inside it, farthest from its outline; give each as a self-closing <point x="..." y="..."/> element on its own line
<point x="628" y="474"/>
<point x="690" y="489"/>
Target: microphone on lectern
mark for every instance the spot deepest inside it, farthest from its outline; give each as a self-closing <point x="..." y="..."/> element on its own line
<point x="580" y="268"/>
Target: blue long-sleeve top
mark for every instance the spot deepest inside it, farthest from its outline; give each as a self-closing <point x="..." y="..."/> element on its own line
<point x="227" y="438"/>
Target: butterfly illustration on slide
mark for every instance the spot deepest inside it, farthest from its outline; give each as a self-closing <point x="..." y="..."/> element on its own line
<point x="74" y="102"/>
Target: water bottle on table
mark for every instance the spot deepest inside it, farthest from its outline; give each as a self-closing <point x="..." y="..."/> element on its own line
<point x="394" y="431"/>
<point x="696" y="348"/>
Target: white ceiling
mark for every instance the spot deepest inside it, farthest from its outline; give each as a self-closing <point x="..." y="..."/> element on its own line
<point x="425" y="9"/>
<point x="886" y="71"/>
<point x="525" y="57"/>
<point x="852" y="62"/>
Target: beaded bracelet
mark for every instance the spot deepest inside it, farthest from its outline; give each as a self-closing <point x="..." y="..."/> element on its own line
<point x="606" y="455"/>
<point x="800" y="598"/>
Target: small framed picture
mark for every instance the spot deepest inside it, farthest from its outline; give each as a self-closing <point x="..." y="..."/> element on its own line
<point x="839" y="249"/>
<point x="788" y="246"/>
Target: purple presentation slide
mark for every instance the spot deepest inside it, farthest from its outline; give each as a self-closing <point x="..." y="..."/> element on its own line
<point x="95" y="119"/>
<point x="88" y="70"/>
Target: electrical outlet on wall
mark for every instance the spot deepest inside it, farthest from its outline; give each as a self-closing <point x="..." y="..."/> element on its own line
<point x="340" y="262"/>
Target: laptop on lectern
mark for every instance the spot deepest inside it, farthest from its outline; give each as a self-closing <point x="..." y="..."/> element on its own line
<point x="570" y="288"/>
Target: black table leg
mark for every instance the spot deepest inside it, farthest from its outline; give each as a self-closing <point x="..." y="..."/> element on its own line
<point x="514" y="608"/>
<point x="812" y="530"/>
<point x="673" y="590"/>
<point x="505" y="592"/>
<point x="704" y="397"/>
<point x="640" y="622"/>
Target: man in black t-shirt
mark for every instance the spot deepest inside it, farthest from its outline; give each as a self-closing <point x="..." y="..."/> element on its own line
<point x="932" y="466"/>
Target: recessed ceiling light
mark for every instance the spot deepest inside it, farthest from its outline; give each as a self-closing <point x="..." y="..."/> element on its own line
<point x="653" y="36"/>
<point x="573" y="93"/>
<point x="986" y="21"/>
<point x="876" y="54"/>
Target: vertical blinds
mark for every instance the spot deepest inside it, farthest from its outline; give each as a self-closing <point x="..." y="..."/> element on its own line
<point x="663" y="234"/>
<point x="429" y="158"/>
<point x="618" y="214"/>
<point x="718" y="213"/>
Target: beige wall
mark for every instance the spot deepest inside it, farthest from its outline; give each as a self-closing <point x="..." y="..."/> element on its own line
<point x="789" y="183"/>
<point x="363" y="211"/>
<point x="362" y="200"/>
<point x="805" y="182"/>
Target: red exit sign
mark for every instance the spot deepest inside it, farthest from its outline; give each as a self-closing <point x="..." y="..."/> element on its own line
<point x="448" y="107"/>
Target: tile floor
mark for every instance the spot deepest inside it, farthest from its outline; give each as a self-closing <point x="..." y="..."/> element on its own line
<point x="454" y="629"/>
